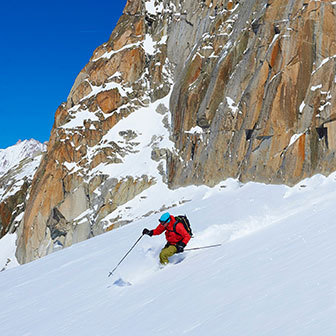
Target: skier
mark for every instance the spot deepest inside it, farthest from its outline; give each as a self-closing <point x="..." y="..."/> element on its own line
<point x="176" y="235"/>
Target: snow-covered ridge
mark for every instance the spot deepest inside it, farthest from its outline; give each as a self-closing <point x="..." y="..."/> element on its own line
<point x="12" y="155"/>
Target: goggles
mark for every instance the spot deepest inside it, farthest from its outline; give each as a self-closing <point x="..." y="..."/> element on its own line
<point x="164" y="222"/>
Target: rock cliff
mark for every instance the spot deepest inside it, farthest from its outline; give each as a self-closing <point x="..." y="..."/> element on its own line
<point x="187" y="92"/>
<point x="259" y="83"/>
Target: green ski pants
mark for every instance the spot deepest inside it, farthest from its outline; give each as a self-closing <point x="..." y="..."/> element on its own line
<point x="167" y="252"/>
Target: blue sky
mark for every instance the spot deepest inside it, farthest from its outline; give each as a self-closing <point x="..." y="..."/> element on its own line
<point x="44" y="45"/>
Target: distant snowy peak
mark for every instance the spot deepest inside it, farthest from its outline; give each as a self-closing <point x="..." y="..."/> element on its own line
<point x="12" y="155"/>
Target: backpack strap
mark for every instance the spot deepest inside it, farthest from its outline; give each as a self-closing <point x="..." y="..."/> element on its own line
<point x="174" y="228"/>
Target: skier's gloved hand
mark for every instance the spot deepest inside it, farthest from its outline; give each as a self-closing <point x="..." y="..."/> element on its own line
<point x="147" y="232"/>
<point x="180" y="247"/>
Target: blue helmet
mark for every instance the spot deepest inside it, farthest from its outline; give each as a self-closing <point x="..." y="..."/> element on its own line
<point x="165" y="218"/>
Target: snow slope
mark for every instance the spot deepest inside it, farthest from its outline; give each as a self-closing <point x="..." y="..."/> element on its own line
<point x="18" y="165"/>
<point x="273" y="275"/>
<point x="12" y="155"/>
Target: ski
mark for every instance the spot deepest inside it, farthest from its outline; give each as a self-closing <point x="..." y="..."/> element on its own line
<point x="202" y="247"/>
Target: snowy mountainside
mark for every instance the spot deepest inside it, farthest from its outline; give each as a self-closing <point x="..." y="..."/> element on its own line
<point x="12" y="155"/>
<point x="273" y="275"/>
<point x="18" y="166"/>
<point x="191" y="93"/>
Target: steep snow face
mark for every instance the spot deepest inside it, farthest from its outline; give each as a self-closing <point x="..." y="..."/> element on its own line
<point x="273" y="275"/>
<point x="18" y="165"/>
<point x="12" y="155"/>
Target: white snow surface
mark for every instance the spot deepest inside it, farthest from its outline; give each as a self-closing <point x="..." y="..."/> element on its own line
<point x="150" y="130"/>
<point x="294" y="138"/>
<point x="273" y="275"/>
<point x="153" y="8"/>
<point x="7" y="252"/>
<point x="12" y="155"/>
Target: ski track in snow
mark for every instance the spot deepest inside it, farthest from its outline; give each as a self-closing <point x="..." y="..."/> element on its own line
<point x="274" y="273"/>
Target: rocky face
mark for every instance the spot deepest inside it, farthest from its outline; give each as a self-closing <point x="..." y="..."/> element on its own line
<point x="258" y="88"/>
<point x="187" y="92"/>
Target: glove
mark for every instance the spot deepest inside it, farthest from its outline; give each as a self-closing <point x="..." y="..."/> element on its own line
<point x="180" y="247"/>
<point x="147" y="232"/>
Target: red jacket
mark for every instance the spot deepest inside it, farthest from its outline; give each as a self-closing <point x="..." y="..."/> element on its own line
<point x="171" y="236"/>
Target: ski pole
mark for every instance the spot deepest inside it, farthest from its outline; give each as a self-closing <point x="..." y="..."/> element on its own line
<point x="202" y="247"/>
<point x="110" y="273"/>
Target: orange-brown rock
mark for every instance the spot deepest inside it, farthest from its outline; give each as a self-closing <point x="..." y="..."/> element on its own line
<point x="5" y="217"/>
<point x="133" y="7"/>
<point x="110" y="100"/>
<point x="132" y="64"/>
<point x="61" y="115"/>
<point x="264" y="87"/>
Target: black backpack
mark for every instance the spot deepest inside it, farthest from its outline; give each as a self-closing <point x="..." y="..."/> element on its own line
<point x="185" y="221"/>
